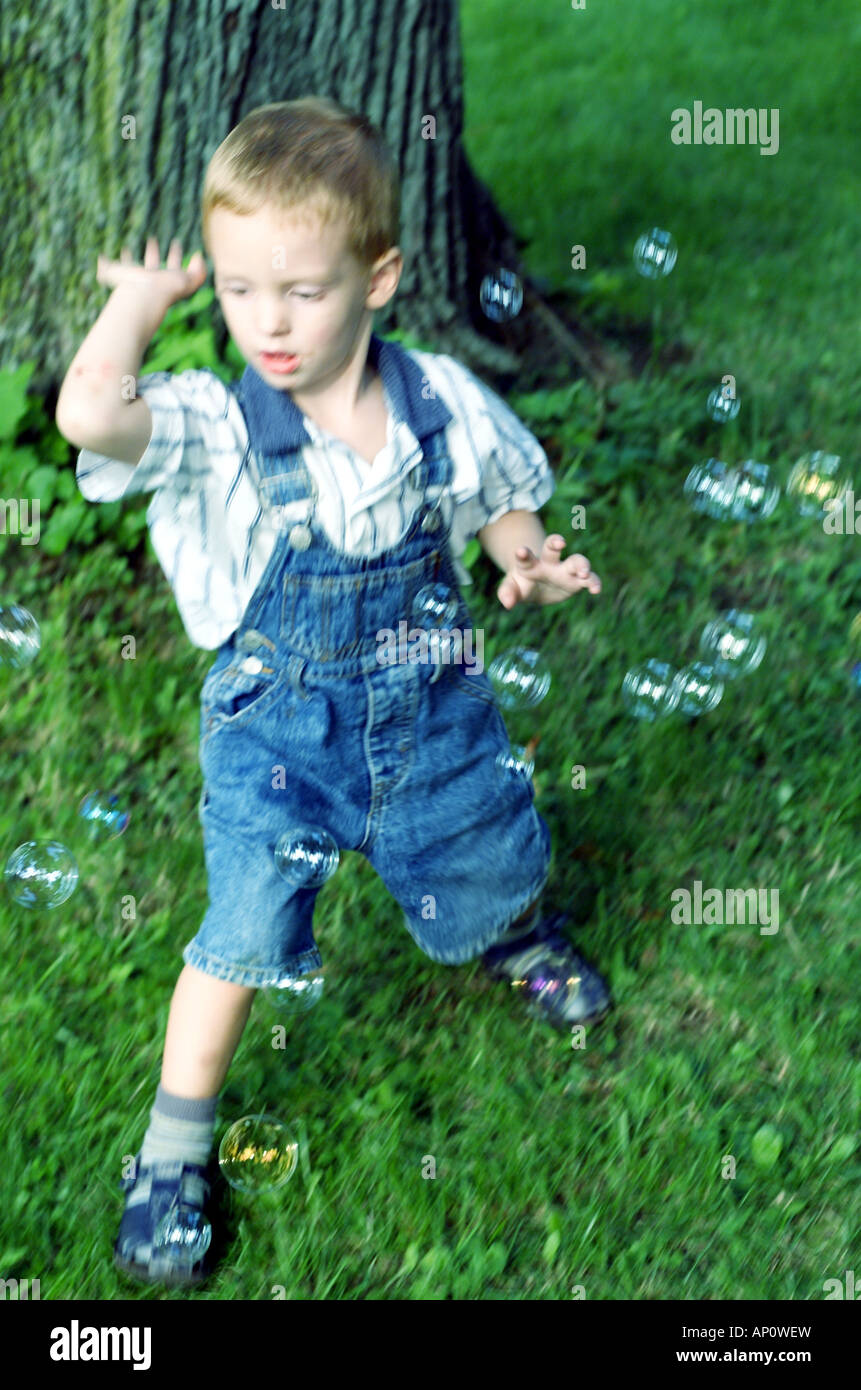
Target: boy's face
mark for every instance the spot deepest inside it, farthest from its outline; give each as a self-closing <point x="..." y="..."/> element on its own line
<point x="290" y="285"/>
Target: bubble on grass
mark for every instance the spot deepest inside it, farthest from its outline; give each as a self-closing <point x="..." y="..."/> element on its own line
<point x="104" y="816"/>
<point x="733" y="644"/>
<point x="722" y="407"/>
<point x="295" y="994"/>
<point x="258" y="1154"/>
<point x="655" y="253"/>
<point x="41" y="873"/>
<point x="755" y="494"/>
<point x="855" y="675"/>
<point x="501" y="296"/>
<point x="519" y="677"/>
<point x="698" y="689"/>
<point x="20" y="638"/>
<point x="817" y="484"/>
<point x="648" y="691"/>
<point x="306" y="856"/>
<point x="709" y="488"/>
<point x="516" y="763"/>
<point x="185" y="1232"/>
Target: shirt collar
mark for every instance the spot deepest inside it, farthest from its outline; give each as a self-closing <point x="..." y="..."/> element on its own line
<point x="277" y="424"/>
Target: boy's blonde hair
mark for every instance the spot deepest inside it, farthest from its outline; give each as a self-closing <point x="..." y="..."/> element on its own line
<point x="315" y="156"/>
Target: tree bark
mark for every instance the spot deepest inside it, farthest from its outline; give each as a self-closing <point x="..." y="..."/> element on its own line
<point x="113" y="111"/>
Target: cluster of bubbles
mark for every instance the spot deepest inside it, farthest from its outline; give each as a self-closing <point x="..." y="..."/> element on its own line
<point x="750" y="492"/>
<point x="44" y="873"/>
<point x="501" y="292"/>
<point x="731" y="645"/>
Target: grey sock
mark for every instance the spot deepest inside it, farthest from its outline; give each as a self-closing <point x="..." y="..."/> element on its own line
<point x="179" y="1129"/>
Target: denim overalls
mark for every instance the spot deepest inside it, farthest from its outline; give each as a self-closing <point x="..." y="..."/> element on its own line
<point x="301" y="724"/>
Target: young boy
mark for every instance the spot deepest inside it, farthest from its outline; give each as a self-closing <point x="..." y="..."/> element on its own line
<point x="298" y="514"/>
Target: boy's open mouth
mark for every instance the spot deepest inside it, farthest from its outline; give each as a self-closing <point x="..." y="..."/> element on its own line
<point x="279" y="361"/>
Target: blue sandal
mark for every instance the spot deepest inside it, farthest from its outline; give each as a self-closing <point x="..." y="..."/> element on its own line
<point x="157" y="1190"/>
<point x="556" y="981"/>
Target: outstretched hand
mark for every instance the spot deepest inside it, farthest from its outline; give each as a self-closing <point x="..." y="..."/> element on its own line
<point x="546" y="578"/>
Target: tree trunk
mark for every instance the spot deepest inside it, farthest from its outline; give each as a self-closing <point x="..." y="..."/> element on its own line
<point x="113" y="111"/>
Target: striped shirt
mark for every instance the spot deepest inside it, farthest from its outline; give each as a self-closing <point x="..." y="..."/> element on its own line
<point x="210" y="526"/>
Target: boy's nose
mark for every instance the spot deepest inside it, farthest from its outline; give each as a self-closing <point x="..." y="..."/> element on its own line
<point x="273" y="318"/>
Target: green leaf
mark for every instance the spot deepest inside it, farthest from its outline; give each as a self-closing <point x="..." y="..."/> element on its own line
<point x="13" y="398"/>
<point x="551" y="1246"/>
<point x="843" y="1148"/>
<point x="766" y="1146"/>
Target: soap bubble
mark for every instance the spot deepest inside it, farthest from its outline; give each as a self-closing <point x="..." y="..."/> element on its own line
<point x="709" y="488"/>
<point x="648" y="691"/>
<point x="295" y="994"/>
<point x="105" y="820"/>
<point x="755" y="493"/>
<point x="520" y="678"/>
<point x="185" y="1231"/>
<point x="518" y="763"/>
<point x="732" y="644"/>
<point x="306" y="856"/>
<point x="722" y="407"/>
<point x="655" y="253"/>
<point x="856" y="675"/>
<point x="501" y="296"/>
<point x="258" y="1154"/>
<point x="20" y="638"/>
<point x="748" y="493"/>
<point x="41" y="873"/>
<point x="697" y="688"/>
<point x="816" y="484"/>
<point x="435" y="607"/>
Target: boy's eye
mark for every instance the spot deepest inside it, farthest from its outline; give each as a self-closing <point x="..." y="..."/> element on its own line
<point x="240" y="289"/>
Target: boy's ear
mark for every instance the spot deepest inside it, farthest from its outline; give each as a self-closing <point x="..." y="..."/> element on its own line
<point x="385" y="276"/>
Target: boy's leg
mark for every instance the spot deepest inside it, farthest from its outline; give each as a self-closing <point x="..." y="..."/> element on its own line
<point x="207" y="1017"/>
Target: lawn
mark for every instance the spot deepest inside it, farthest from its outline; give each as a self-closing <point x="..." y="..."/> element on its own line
<point x="702" y="1143"/>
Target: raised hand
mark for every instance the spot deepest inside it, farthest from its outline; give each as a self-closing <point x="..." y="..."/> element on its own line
<point x="167" y="285"/>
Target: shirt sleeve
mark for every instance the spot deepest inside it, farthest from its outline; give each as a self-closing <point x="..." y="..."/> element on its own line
<point x="176" y="455"/>
<point x="513" y="471"/>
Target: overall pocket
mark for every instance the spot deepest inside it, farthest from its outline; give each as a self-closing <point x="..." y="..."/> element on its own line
<point x="238" y="693"/>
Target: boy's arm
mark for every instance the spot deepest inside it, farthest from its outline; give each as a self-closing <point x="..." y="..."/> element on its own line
<point x="504" y="537"/>
<point x="92" y="412"/>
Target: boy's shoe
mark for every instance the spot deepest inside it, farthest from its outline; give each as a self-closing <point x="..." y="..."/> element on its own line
<point x="158" y="1188"/>
<point x="556" y="981"/>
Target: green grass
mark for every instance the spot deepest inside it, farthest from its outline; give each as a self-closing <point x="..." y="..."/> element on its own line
<point x="556" y="1167"/>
